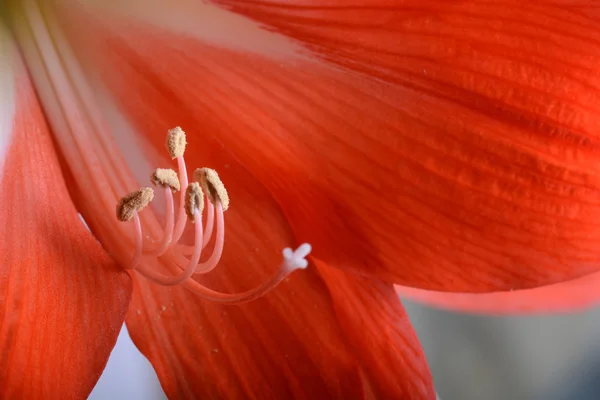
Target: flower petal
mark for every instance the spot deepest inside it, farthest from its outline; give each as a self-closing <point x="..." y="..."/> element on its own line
<point x="451" y="148"/>
<point x="289" y="344"/>
<point x="63" y="299"/>
<point x="286" y="345"/>
<point x="565" y="297"/>
<point x="377" y="326"/>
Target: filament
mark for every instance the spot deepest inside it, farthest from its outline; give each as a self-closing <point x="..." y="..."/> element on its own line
<point x="166" y="280"/>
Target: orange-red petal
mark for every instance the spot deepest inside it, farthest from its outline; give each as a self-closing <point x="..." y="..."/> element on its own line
<point x="448" y="146"/>
<point x="379" y="332"/>
<point x="63" y="299"/>
<point x="575" y="295"/>
<point x="288" y="344"/>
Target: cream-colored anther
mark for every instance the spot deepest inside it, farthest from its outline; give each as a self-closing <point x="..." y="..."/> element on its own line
<point x="135" y="201"/>
<point x="194" y="198"/>
<point x="165" y="178"/>
<point x="212" y="186"/>
<point x="176" y="142"/>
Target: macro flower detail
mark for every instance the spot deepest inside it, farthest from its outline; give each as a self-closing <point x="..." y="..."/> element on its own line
<point x="207" y="184"/>
<point x="445" y="150"/>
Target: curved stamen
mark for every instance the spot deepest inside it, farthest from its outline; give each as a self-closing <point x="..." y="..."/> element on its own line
<point x="207" y="184"/>
<point x="210" y="219"/>
<point x="292" y="261"/>
<point x="166" y="280"/>
<point x="182" y="217"/>
<point x="137" y="255"/>
<point x="208" y="231"/>
<point x="215" y="257"/>
<point x="163" y="245"/>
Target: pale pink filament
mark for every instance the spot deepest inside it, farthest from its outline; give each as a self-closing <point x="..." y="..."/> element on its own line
<point x="215" y="257"/>
<point x="208" y="229"/>
<point x="163" y="245"/>
<point x="137" y="255"/>
<point x="181" y="217"/>
<point x="210" y="219"/>
<point x="166" y="280"/>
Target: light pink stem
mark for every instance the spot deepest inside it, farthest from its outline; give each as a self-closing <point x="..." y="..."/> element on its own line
<point x="284" y="270"/>
<point x="137" y="255"/>
<point x="208" y="230"/>
<point x="210" y="219"/>
<point x="166" y="280"/>
<point x="215" y="257"/>
<point x="163" y="245"/>
<point x="217" y="252"/>
<point x="181" y="217"/>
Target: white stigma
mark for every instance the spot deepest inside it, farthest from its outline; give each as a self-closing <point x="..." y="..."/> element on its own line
<point x="297" y="258"/>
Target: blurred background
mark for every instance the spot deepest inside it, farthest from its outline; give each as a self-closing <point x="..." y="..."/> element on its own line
<point x="471" y="357"/>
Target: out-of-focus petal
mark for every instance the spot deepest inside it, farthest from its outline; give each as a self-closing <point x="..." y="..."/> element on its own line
<point x="378" y="329"/>
<point x="451" y="148"/>
<point x="570" y="296"/>
<point x="63" y="299"/>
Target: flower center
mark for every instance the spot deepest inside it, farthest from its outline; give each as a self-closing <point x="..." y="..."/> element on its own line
<point x="208" y="189"/>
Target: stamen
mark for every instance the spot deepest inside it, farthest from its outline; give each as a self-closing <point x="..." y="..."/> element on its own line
<point x="137" y="255"/>
<point x="176" y="142"/>
<point x="165" y="178"/>
<point x="215" y="257"/>
<point x="207" y="183"/>
<point x="210" y="219"/>
<point x="208" y="229"/>
<point x="194" y="200"/>
<point x="135" y="201"/>
<point x="212" y="186"/>
<point x="166" y="280"/>
<point x="182" y="216"/>
<point x="217" y="252"/>
<point x="292" y="260"/>
<point x="163" y="245"/>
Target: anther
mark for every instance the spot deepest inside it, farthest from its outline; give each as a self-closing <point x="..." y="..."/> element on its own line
<point x="165" y="178"/>
<point x="212" y="186"/>
<point x="176" y="142"/>
<point x="194" y="199"/>
<point x="135" y="201"/>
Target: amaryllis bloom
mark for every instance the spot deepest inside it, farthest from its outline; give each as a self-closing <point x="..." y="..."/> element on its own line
<point x="448" y="148"/>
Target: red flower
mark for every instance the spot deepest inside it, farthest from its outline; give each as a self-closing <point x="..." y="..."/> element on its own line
<point x="441" y="146"/>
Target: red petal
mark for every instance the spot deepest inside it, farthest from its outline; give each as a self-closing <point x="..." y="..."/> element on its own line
<point x="382" y="337"/>
<point x="63" y="299"/>
<point x="287" y="345"/>
<point x="451" y="148"/>
<point x="575" y="295"/>
<point x="487" y="137"/>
